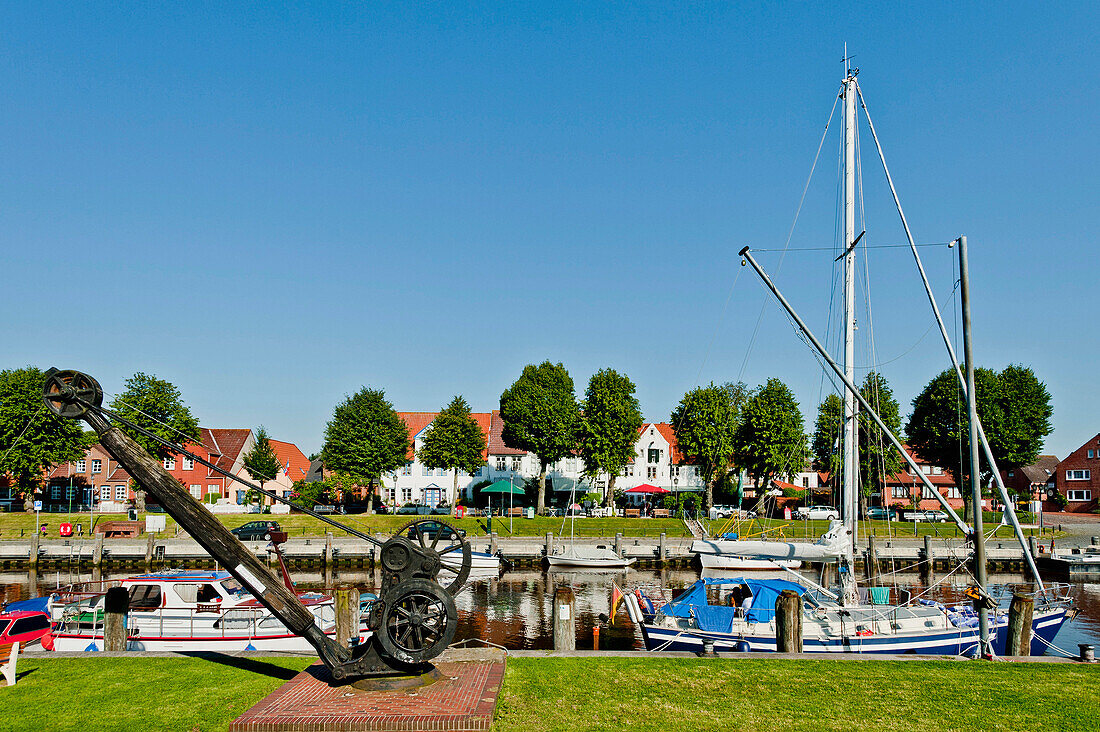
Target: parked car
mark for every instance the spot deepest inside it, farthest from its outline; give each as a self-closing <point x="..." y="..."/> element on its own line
<point x="255" y="530"/>
<point x="817" y="513"/>
<point x="725" y="512"/>
<point x="930" y="517"/>
<point x="429" y="529"/>
<point x="878" y="513"/>
<point x="415" y="509"/>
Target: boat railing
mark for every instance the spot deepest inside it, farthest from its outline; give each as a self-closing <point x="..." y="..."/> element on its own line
<point x="1053" y="593"/>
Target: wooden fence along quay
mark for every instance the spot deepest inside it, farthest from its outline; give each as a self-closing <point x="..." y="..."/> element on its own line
<point x="153" y="551"/>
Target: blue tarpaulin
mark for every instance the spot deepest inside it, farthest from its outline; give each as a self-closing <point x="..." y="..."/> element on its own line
<point x="719" y="618"/>
<point x="35" y="604"/>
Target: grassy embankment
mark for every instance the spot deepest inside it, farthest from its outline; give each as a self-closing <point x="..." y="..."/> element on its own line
<point x="571" y="694"/>
<point x="17" y="524"/>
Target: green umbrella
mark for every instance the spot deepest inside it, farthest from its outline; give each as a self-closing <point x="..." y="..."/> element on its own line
<point x="502" y="487"/>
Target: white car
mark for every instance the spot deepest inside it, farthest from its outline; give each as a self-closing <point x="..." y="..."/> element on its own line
<point x="817" y="513"/>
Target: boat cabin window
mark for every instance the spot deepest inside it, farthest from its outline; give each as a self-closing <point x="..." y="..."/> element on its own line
<point x="29" y="624"/>
<point x="232" y="586"/>
<point x="197" y="593"/>
<point x="145" y="597"/>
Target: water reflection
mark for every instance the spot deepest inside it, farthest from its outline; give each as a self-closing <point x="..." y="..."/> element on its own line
<point x="514" y="610"/>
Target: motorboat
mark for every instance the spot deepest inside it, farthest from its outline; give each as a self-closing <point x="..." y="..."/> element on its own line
<point x="184" y="610"/>
<point x="587" y="557"/>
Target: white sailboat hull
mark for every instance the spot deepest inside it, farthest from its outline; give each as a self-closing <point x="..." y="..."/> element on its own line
<point x="732" y="561"/>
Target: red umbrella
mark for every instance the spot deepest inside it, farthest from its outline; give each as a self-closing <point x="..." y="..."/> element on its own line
<point x="647" y="488"/>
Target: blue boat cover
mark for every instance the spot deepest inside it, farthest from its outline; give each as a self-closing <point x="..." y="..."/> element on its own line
<point x="719" y="618"/>
<point x="35" y="604"/>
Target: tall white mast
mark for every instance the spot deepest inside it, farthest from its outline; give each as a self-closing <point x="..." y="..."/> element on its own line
<point x="850" y="500"/>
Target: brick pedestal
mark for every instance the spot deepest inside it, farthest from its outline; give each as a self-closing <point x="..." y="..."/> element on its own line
<point x="464" y="699"/>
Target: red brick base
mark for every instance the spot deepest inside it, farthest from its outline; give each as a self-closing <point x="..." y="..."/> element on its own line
<point x="464" y="699"/>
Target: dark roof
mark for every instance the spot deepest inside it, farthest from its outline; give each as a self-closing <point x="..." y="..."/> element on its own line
<point x="1042" y="469"/>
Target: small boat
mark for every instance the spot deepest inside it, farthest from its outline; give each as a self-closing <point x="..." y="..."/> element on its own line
<point x="599" y="557"/>
<point x="742" y="563"/>
<point x="23" y="627"/>
<point x="1078" y="565"/>
<point x="738" y="615"/>
<point x="184" y="610"/>
<point x="482" y="564"/>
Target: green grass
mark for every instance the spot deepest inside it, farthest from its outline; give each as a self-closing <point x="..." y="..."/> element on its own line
<point x="571" y="694"/>
<point x="187" y="694"/>
<point x="664" y="695"/>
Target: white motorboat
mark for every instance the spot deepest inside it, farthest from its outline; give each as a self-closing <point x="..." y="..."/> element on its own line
<point x="743" y="563"/>
<point x="184" y="610"/>
<point x="587" y="557"/>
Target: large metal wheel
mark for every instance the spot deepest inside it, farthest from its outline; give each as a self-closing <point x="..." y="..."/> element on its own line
<point x="455" y="558"/>
<point x="61" y="388"/>
<point x="418" y="621"/>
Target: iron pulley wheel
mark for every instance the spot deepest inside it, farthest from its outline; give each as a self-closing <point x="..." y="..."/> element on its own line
<point x="449" y="547"/>
<point x="63" y="389"/>
<point x="418" y="621"/>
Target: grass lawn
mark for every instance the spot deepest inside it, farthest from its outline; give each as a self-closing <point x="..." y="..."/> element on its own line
<point x="20" y="524"/>
<point x="186" y="694"/>
<point x="666" y="695"/>
<point x="566" y="694"/>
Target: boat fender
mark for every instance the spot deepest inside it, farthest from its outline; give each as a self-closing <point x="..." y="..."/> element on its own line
<point x="742" y="646"/>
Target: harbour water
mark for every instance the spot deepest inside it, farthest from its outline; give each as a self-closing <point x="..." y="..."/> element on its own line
<point x="514" y="610"/>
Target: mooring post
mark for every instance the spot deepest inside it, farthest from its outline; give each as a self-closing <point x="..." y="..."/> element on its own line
<point x="871" y="568"/>
<point x="788" y="622"/>
<point x="347" y="616"/>
<point x="32" y="558"/>
<point x="97" y="551"/>
<point x="619" y="543"/>
<point x="328" y="548"/>
<point x="493" y="543"/>
<point x="115" y="606"/>
<point x="661" y="549"/>
<point x="1019" y="626"/>
<point x="1095" y="541"/>
<point x="565" y="634"/>
<point x="1033" y="546"/>
<point x="149" y="540"/>
<point x="549" y="544"/>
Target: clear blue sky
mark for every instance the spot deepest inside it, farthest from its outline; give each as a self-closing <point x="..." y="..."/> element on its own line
<point x="273" y="207"/>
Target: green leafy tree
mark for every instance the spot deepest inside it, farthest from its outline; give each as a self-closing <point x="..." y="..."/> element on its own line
<point x="454" y="441"/>
<point x="540" y="416"/>
<point x="771" y="442"/>
<point x="608" y="427"/>
<point x="31" y="438"/>
<point x="157" y="406"/>
<point x="705" y="423"/>
<point x="827" y="430"/>
<point x="878" y="459"/>
<point x="1013" y="406"/>
<point x="261" y="462"/>
<point x="310" y="494"/>
<point x="365" y="438"/>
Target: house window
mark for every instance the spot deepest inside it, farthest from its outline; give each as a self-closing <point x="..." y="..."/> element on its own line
<point x="516" y="461"/>
<point x="105" y="493"/>
<point x="120" y="492"/>
<point x="441" y="471"/>
<point x="502" y="463"/>
<point x="654" y="455"/>
<point x="1079" y="495"/>
<point x="196" y="491"/>
<point x="97" y="466"/>
<point x="426" y="470"/>
<point x="169" y="463"/>
<point x="407" y="469"/>
<point x="805" y="482"/>
<point x="477" y="473"/>
<point x="70" y="491"/>
<point x="899" y="491"/>
<point x="79" y="466"/>
<point x="1090" y="453"/>
<point x="675" y="471"/>
<point x="188" y="464"/>
<point x="953" y="492"/>
<point x="1078" y="475"/>
<point x="651" y="472"/>
<point x="628" y="471"/>
<point x="213" y="489"/>
<point x="926" y="469"/>
<point x="407" y="494"/>
<point x="55" y="492"/>
<point x="925" y="493"/>
<point x="937" y="470"/>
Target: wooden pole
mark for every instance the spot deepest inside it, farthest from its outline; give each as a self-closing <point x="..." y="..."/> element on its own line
<point x="619" y="543"/>
<point x="565" y="634"/>
<point x="32" y="558"/>
<point x="97" y="551"/>
<point x="149" y="540"/>
<point x="328" y="548"/>
<point x="549" y="544"/>
<point x="115" y="606"/>
<point x="493" y="543"/>
<point x="347" y="616"/>
<point x="1019" y="626"/>
<point x="661" y="549"/>
<point x="788" y="622"/>
<point x="871" y="570"/>
<point x="928" y="563"/>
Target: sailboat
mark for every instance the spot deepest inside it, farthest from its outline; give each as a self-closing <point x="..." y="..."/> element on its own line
<point x="737" y="614"/>
<point x="573" y="556"/>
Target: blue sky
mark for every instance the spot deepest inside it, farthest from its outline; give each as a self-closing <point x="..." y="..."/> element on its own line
<point x="273" y="206"/>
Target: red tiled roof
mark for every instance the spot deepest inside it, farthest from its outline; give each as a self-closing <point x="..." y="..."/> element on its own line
<point x="665" y="429"/>
<point x="291" y="458"/>
<point x="496" y="439"/>
<point x="417" y="421"/>
<point x="118" y="474"/>
<point x="904" y="477"/>
<point x="224" y="445"/>
<point x="781" y="485"/>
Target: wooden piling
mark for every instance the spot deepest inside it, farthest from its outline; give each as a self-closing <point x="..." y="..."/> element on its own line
<point x="493" y="543"/>
<point x="97" y="551"/>
<point x="788" y="622"/>
<point x="115" y="606"/>
<point x="149" y="541"/>
<point x="347" y="616"/>
<point x="661" y="550"/>
<point x="32" y="558"/>
<point x="565" y="634"/>
<point x="1019" y="626"/>
<point x="549" y="544"/>
<point x="1033" y="546"/>
<point x="619" y="543"/>
<point x="328" y="548"/>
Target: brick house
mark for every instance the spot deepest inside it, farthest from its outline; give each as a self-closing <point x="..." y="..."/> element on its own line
<point x="1078" y="477"/>
<point x="904" y="488"/>
<point x="1032" y="482"/>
